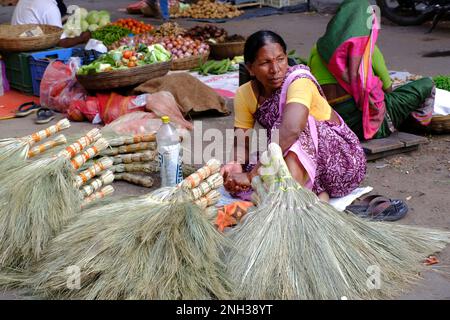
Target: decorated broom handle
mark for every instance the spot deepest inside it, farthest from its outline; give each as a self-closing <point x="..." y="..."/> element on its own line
<point x="117" y="142"/>
<point x="194" y="180"/>
<point x="276" y="155"/>
<point x="40" y="135"/>
<point x="88" y="174"/>
<point x="274" y="167"/>
<point x="82" y="158"/>
<point x="106" y="191"/>
<point x="105" y="179"/>
<point x="61" y="139"/>
<point x="81" y="144"/>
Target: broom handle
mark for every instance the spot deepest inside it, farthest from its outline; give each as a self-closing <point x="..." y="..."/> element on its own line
<point x="88" y="174"/>
<point x="106" y="191"/>
<point x="80" y="144"/>
<point x="129" y="148"/>
<point x="81" y="159"/>
<point x="209" y="199"/>
<point x="135" y="157"/>
<point x="105" y="179"/>
<point x="146" y="167"/>
<point x="192" y="181"/>
<point x="274" y="167"/>
<point x="40" y="135"/>
<point x="144" y="181"/>
<point x="117" y="142"/>
<point x="47" y="146"/>
<point x="212" y="182"/>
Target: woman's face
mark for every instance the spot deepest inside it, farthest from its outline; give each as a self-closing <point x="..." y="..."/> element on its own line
<point x="270" y="66"/>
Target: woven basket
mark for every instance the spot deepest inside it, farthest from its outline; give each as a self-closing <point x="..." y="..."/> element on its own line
<point x="124" y="78"/>
<point x="227" y="50"/>
<point x="10" y="40"/>
<point x="188" y="63"/>
<point x="440" y="124"/>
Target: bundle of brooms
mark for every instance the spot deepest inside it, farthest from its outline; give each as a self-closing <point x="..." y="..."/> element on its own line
<point x="158" y="246"/>
<point x="14" y="151"/>
<point x="39" y="198"/>
<point x="135" y="158"/>
<point x="293" y="246"/>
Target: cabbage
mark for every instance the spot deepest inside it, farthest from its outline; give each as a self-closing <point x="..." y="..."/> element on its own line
<point x="93" y="27"/>
<point x="93" y="17"/>
<point x="83" y="13"/>
<point x="104" y="13"/>
<point x="103" y="22"/>
<point x="84" y="25"/>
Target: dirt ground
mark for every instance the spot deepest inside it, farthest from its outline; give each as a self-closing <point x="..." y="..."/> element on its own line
<point x="421" y="178"/>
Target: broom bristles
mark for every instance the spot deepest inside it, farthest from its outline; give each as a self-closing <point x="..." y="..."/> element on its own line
<point x="39" y="199"/>
<point x="293" y="246"/>
<point x="141" y="248"/>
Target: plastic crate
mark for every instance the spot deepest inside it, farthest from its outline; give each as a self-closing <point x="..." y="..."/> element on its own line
<point x="39" y="62"/>
<point x="18" y="71"/>
<point x="282" y="3"/>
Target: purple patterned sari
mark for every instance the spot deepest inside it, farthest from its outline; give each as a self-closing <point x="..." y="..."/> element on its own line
<point x="330" y="153"/>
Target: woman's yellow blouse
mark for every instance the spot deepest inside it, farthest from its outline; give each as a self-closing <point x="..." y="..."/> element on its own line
<point x="302" y="91"/>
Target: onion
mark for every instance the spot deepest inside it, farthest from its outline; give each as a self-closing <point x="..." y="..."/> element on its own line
<point x="169" y="46"/>
<point x="184" y="48"/>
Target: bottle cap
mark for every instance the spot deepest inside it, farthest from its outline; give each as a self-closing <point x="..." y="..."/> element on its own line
<point x="165" y="119"/>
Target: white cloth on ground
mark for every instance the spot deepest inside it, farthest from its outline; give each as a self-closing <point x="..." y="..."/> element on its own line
<point x="441" y="103"/>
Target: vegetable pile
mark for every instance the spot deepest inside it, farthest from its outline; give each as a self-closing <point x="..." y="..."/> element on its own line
<point x="126" y="57"/>
<point x="110" y="34"/>
<point x="179" y="46"/>
<point x="169" y="29"/>
<point x="82" y="20"/>
<point x="442" y="82"/>
<point x="184" y="47"/>
<point x="135" y="26"/>
<point x="209" y="10"/>
<point x="215" y="67"/>
<point x="207" y="32"/>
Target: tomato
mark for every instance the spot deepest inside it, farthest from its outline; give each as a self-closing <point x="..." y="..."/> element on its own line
<point x="127" y="54"/>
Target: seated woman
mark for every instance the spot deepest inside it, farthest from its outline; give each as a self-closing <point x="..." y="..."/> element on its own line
<point x="356" y="82"/>
<point x="46" y="12"/>
<point x="322" y="153"/>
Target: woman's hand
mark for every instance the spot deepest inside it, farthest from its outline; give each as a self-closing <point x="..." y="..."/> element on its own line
<point x="230" y="167"/>
<point x="237" y="182"/>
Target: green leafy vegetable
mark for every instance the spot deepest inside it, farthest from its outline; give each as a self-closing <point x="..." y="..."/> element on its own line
<point x="442" y="82"/>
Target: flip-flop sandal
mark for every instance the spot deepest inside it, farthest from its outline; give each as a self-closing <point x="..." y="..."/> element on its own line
<point x="26" y="109"/>
<point x="44" y="115"/>
<point x="379" y="208"/>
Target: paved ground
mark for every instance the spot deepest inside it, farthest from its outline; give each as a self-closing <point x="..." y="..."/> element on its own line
<point x="423" y="177"/>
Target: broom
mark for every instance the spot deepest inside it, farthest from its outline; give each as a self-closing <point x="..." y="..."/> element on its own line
<point x="40" y="198"/>
<point x="106" y="178"/>
<point x="14" y="151"/>
<point x="293" y="246"/>
<point x="158" y="246"/>
<point x="40" y="149"/>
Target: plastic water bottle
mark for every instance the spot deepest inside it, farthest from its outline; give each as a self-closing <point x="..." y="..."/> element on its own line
<point x="169" y="154"/>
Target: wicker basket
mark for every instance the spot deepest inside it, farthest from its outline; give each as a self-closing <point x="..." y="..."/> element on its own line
<point x="188" y="63"/>
<point x="440" y="124"/>
<point x="10" y="40"/>
<point x="227" y="50"/>
<point x="124" y="78"/>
